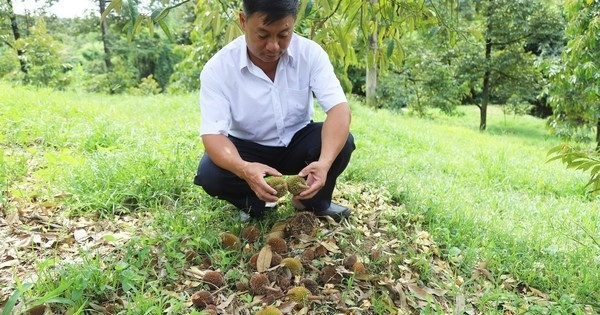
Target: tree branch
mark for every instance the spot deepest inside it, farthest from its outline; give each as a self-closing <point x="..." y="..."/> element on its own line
<point x="512" y="41"/>
<point x="504" y="74"/>
<point x="179" y="4"/>
<point x="8" y="43"/>
<point x="322" y="22"/>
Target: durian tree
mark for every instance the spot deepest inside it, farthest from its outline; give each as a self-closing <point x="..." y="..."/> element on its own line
<point x="575" y="89"/>
<point x="8" y="11"/>
<point x="503" y="29"/>
<point x="104" y="31"/>
<point x="362" y="33"/>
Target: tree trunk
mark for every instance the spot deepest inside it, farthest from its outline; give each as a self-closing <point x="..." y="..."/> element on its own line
<point x="371" y="82"/>
<point x="17" y="35"/>
<point x="485" y="97"/>
<point x="105" y="42"/>
<point x="598" y="133"/>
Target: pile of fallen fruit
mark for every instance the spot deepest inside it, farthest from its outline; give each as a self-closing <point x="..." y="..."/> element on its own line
<point x="283" y="272"/>
<point x="371" y="263"/>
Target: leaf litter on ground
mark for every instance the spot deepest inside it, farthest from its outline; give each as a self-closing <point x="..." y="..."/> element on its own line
<point x="388" y="241"/>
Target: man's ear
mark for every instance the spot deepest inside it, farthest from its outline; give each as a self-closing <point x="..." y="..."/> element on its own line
<point x="243" y="21"/>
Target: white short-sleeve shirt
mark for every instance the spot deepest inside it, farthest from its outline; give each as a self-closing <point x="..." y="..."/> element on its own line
<point x="237" y="98"/>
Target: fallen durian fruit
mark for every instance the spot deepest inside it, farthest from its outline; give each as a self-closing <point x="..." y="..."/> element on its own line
<point x="296" y="184"/>
<point x="279" y="184"/>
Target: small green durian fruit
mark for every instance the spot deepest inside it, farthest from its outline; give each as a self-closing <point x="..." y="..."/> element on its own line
<point x="293" y="264"/>
<point x="278" y="183"/>
<point x="296" y="184"/>
<point x="299" y="294"/>
<point x="269" y="310"/>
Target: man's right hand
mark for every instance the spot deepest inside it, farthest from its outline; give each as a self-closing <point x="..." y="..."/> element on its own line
<point x="223" y="153"/>
<point x="254" y="174"/>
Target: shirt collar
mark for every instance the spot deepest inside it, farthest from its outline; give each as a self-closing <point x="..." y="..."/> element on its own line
<point x="288" y="56"/>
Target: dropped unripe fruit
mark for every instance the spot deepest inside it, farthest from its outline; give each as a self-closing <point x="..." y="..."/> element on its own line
<point x="308" y="255"/>
<point x="201" y="299"/>
<point x="230" y="241"/>
<point x="279" y="184"/>
<point x="293" y="264"/>
<point x="359" y="268"/>
<point x="311" y="285"/>
<point x="211" y="310"/>
<point x="250" y="233"/>
<point x="213" y="277"/>
<point x="299" y="294"/>
<point x="329" y="275"/>
<point x="269" y="310"/>
<point x="258" y="282"/>
<point x="296" y="184"/>
<point x="278" y="244"/>
<point x="350" y="261"/>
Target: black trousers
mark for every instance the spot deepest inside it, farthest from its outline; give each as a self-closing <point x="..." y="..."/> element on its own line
<point x="304" y="148"/>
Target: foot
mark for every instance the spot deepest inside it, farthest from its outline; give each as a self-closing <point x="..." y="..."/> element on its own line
<point x="335" y="211"/>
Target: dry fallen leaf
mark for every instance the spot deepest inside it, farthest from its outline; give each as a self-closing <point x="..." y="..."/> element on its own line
<point x="264" y="259"/>
<point x="80" y="235"/>
<point x="9" y="263"/>
<point x="420" y="292"/>
<point x="226" y="303"/>
<point x="331" y="247"/>
<point x="287" y="307"/>
<point x="459" y="305"/>
<point x="438" y="292"/>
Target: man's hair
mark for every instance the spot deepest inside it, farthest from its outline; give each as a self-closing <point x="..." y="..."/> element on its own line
<point x="274" y="10"/>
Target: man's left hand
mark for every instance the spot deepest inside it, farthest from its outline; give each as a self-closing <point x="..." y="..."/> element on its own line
<point x="316" y="175"/>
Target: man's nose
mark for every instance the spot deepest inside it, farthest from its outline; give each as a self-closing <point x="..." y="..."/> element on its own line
<point x="272" y="45"/>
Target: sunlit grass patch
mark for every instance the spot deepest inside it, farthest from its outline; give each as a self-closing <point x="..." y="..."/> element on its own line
<point x="491" y="194"/>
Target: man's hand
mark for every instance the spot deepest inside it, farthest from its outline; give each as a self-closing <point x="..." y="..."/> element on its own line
<point x="254" y="174"/>
<point x="223" y="153"/>
<point x="316" y="173"/>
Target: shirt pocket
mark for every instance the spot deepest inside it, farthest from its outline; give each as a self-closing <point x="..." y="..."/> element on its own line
<point x="298" y="105"/>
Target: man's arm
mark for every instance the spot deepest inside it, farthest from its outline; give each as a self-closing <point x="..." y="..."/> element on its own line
<point x="224" y="154"/>
<point x="333" y="138"/>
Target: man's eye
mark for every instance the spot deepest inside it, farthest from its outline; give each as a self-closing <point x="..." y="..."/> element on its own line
<point x="284" y="35"/>
<point x="261" y="36"/>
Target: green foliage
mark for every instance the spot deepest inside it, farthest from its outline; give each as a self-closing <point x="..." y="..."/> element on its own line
<point x="186" y="74"/>
<point x="43" y="59"/>
<point x="148" y="86"/>
<point x="392" y="92"/>
<point x="517" y="106"/>
<point x="575" y="86"/>
<point x="365" y="34"/>
<point x="427" y="80"/>
<point x="500" y="44"/>
<point x="8" y="61"/>
<point x="342" y="28"/>
<point x="148" y="55"/>
<point x="120" y="79"/>
<point x="216" y="25"/>
<point x="579" y="160"/>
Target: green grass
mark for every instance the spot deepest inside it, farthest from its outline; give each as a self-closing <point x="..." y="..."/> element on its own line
<point x="489" y="194"/>
<point x="108" y="152"/>
<point x="484" y="196"/>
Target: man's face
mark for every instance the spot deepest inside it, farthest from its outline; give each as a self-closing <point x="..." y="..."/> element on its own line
<point x="267" y="42"/>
